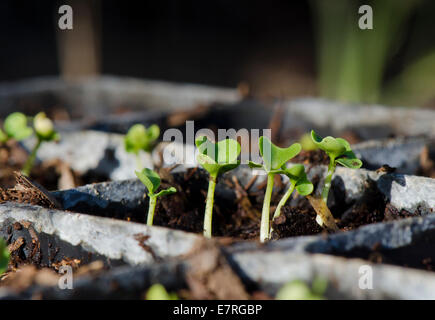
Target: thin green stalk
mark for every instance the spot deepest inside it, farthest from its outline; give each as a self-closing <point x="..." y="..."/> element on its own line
<point x="265" y="215"/>
<point x="283" y="200"/>
<point x="138" y="162"/>
<point x="209" y="206"/>
<point x="327" y="186"/>
<point x="31" y="160"/>
<point x="151" y="209"/>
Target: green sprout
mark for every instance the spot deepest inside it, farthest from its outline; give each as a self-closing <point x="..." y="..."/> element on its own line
<point x="152" y="181"/>
<point x="4" y="257"/>
<point x="158" y="292"/>
<point x="298" y="290"/>
<point x="339" y="152"/>
<point x="44" y="130"/>
<point x="139" y="138"/>
<point x="15" y="127"/>
<point x="215" y="158"/>
<point x="274" y="160"/>
<point x="298" y="180"/>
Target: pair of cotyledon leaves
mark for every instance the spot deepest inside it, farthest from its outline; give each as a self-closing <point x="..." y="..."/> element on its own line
<point x="140" y="138"/>
<point x="4" y="256"/>
<point x="337" y="149"/>
<point x="220" y="157"/>
<point x="274" y="162"/>
<point x="152" y="181"/>
<point x="15" y="126"/>
<point x="44" y="128"/>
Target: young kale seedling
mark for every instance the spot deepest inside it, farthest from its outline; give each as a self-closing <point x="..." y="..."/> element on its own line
<point x="152" y="181"/>
<point x="339" y="152"/>
<point x="274" y="160"/>
<point x="140" y="138"/>
<point x="216" y="158"/>
<point x="15" y="127"/>
<point x="298" y="180"/>
<point x="44" y="130"/>
<point x="4" y="256"/>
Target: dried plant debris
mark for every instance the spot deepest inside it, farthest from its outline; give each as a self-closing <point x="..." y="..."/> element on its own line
<point x="24" y="251"/>
<point x="210" y="276"/>
<point x="27" y="191"/>
<point x="142" y="241"/>
<point x="427" y="163"/>
<point x="27" y="276"/>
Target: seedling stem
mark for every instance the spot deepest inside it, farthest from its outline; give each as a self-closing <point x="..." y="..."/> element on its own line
<point x="44" y="131"/>
<point x="151" y="209"/>
<point x="283" y="200"/>
<point x="31" y="159"/>
<point x="151" y="180"/>
<point x="328" y="179"/>
<point x="209" y="206"/>
<point x="265" y="215"/>
<point x="215" y="158"/>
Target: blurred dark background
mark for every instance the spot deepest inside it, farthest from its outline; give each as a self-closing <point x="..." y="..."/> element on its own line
<point x="278" y="48"/>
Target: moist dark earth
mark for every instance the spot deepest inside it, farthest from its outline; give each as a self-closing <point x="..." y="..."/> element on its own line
<point x="237" y="208"/>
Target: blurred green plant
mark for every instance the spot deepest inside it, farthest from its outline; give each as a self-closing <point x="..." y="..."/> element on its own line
<point x="352" y="62"/>
<point x="158" y="292"/>
<point x="414" y="85"/>
<point x="4" y="257"/>
<point x="151" y="180"/>
<point x="299" y="290"/>
<point x="44" y="131"/>
<point x="139" y="138"/>
<point x="15" y="127"/>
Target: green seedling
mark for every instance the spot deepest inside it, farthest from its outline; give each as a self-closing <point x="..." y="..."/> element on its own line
<point x="139" y="138"/>
<point x="152" y="181"/>
<point x="158" y="292"/>
<point x="15" y="127"/>
<point x="4" y="257"/>
<point x="274" y="160"/>
<point x="215" y="158"/>
<point x="298" y="180"/>
<point x="44" y="131"/>
<point x="339" y="152"/>
<point x="299" y="290"/>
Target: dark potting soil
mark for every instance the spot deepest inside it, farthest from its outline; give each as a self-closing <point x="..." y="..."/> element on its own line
<point x="314" y="157"/>
<point x="237" y="208"/>
<point x="237" y="216"/>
